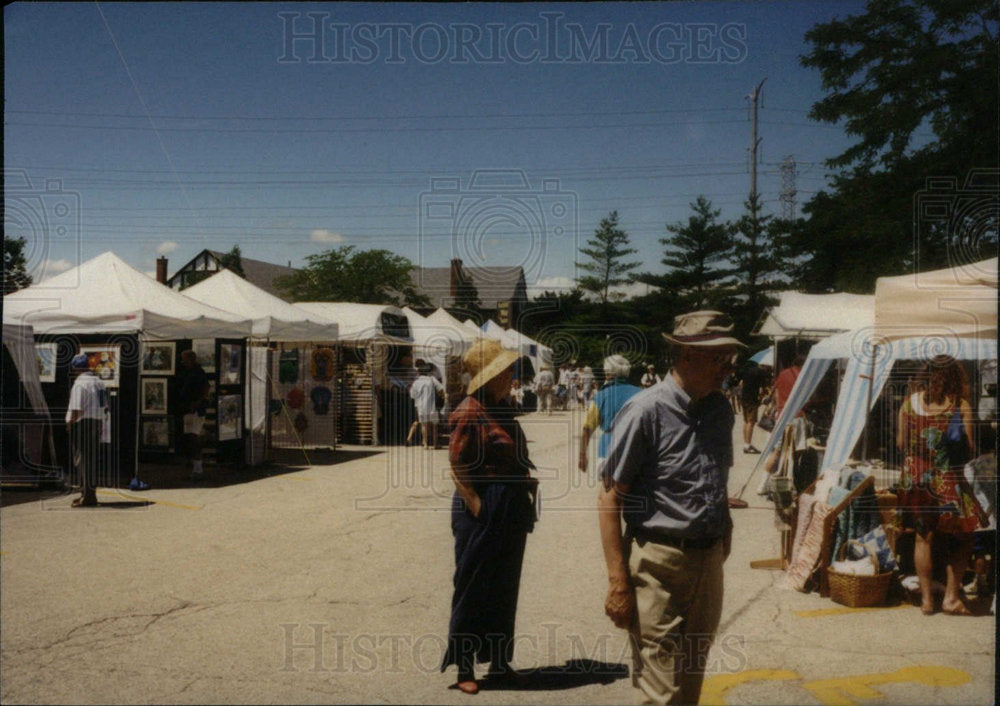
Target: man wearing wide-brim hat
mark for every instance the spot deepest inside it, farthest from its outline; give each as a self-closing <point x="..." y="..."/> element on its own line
<point x="666" y="474"/>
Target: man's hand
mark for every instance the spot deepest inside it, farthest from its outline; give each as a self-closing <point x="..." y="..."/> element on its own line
<point x="583" y="462"/>
<point x="620" y="604"/>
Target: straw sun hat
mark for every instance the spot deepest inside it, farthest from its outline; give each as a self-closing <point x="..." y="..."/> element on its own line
<point x="485" y="360"/>
<point x="703" y="328"/>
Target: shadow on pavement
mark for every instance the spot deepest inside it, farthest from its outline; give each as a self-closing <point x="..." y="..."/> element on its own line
<point x="571" y="675"/>
<point x="178" y="475"/>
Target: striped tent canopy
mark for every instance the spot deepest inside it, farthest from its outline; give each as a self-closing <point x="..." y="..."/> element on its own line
<point x="871" y="351"/>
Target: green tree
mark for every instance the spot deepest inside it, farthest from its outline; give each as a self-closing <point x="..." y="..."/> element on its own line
<point x="696" y="255"/>
<point x="606" y="250"/>
<point x="15" y="272"/>
<point x="233" y="261"/>
<point x="365" y="276"/>
<point x="893" y="74"/>
<point x="756" y="261"/>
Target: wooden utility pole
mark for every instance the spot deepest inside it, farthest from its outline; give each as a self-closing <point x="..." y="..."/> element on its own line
<point x="754" y="140"/>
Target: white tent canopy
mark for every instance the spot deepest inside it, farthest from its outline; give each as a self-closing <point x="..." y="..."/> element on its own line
<point x="817" y="316"/>
<point x="959" y="301"/>
<point x="433" y="341"/>
<point x="491" y="329"/>
<point x="272" y="317"/>
<point x="360" y="322"/>
<point x="441" y="318"/>
<point x="106" y="295"/>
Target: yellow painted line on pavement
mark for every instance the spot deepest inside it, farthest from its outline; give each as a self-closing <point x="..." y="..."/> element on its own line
<point x="839" y="691"/>
<point x="846" y="691"/>
<point x="149" y="500"/>
<point x="714" y="689"/>
<point x="843" y="610"/>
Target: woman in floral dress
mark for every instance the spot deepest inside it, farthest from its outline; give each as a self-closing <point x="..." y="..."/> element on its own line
<point x="934" y="500"/>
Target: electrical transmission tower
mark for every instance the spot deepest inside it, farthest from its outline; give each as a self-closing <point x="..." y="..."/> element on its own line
<point x="787" y="196"/>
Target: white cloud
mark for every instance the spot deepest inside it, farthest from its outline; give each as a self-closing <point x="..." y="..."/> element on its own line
<point x="322" y="235"/>
<point x="166" y="247"/>
<point x="550" y="284"/>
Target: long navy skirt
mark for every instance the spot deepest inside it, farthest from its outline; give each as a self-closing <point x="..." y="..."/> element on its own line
<point x="489" y="550"/>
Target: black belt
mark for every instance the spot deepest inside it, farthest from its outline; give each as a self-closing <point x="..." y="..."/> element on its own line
<point x="643" y="535"/>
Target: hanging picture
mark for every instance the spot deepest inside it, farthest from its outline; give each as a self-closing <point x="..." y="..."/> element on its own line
<point x="288" y="367"/>
<point x="322" y="364"/>
<point x="204" y="348"/>
<point x="230" y="362"/>
<point x="157" y="358"/>
<point x="230" y="416"/>
<point x="45" y="357"/>
<point x="103" y="362"/>
<point x="153" y="394"/>
<point x="154" y="433"/>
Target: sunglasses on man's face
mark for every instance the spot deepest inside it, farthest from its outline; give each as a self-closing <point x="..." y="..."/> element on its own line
<point x="725" y="358"/>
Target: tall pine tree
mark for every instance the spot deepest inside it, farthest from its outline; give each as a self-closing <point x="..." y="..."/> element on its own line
<point x="755" y="259"/>
<point x="606" y="250"/>
<point x="696" y="256"/>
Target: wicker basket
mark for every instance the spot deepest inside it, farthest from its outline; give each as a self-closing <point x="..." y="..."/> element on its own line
<point x="858" y="591"/>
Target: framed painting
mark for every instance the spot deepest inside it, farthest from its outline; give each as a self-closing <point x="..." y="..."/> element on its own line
<point x="230" y="363"/>
<point x="153" y="394"/>
<point x="204" y="348"/>
<point x="230" y="417"/>
<point x="155" y="433"/>
<point x="157" y="358"/>
<point x="103" y="362"/>
<point x="45" y="357"/>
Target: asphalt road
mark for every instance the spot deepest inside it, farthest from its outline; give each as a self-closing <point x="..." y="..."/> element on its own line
<point x="329" y="581"/>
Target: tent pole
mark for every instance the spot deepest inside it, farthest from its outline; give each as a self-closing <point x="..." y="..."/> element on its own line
<point x="868" y="402"/>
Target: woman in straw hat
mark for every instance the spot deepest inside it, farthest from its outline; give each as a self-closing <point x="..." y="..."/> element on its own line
<point x="492" y="513"/>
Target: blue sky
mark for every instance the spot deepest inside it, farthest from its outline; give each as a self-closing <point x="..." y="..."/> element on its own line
<point x="166" y="128"/>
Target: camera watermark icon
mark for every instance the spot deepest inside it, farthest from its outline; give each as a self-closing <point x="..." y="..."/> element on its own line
<point x="962" y="221"/>
<point x="498" y="220"/>
<point x="318" y="38"/>
<point x="46" y="216"/>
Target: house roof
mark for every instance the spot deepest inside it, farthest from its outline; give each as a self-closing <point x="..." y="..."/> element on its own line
<point x="258" y="273"/>
<point x="493" y="284"/>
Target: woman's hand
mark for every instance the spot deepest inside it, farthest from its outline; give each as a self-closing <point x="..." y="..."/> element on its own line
<point x="474" y="503"/>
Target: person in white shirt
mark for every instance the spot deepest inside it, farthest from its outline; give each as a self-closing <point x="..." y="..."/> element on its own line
<point x="650" y="377"/>
<point x="88" y="402"/>
<point x="544" y="385"/>
<point x="424" y="393"/>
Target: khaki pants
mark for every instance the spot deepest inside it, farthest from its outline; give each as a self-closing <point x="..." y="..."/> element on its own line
<point x="678" y="607"/>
